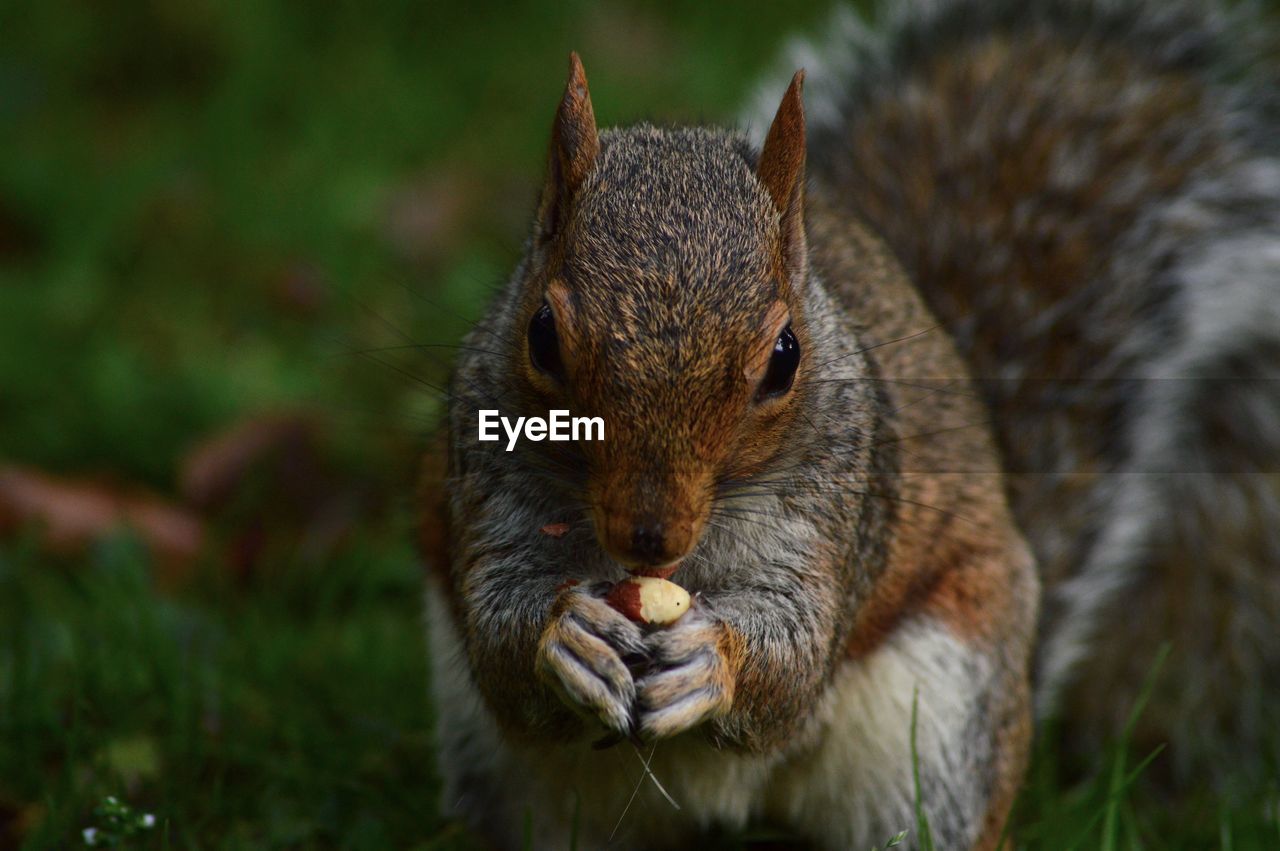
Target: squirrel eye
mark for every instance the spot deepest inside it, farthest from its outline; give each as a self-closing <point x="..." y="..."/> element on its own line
<point x="782" y="366"/>
<point x="544" y="343"/>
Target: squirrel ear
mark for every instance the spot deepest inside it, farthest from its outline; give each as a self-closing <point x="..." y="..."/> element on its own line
<point x="781" y="170"/>
<point x="574" y="145"/>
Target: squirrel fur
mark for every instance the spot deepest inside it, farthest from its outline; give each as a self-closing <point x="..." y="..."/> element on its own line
<point x="1030" y="254"/>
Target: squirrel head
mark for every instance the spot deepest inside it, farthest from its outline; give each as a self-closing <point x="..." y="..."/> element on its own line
<point x="665" y="292"/>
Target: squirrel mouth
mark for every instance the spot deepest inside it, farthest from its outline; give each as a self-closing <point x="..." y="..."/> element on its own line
<point x="663" y="571"/>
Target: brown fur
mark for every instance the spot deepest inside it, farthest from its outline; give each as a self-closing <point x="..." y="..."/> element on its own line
<point x="1047" y="255"/>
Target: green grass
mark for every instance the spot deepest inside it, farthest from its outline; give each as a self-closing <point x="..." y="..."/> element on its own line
<point x="202" y="213"/>
<point x="294" y="714"/>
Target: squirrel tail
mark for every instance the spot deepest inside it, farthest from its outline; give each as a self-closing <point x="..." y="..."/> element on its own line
<point x="1088" y="195"/>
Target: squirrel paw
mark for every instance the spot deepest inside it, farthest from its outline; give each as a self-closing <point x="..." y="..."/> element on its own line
<point x="581" y="656"/>
<point x="690" y="681"/>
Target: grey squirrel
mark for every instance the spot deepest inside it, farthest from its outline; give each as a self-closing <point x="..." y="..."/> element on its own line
<point x="950" y="400"/>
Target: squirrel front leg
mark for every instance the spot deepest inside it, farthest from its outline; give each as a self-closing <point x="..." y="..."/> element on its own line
<point x="583" y="655"/>
<point x="544" y="650"/>
<point x="747" y="663"/>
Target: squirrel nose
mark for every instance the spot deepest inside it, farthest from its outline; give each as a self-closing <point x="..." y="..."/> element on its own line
<point x="648" y="543"/>
<point x="646" y="540"/>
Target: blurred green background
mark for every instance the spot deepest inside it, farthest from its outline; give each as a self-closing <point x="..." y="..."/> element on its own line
<point x="236" y="240"/>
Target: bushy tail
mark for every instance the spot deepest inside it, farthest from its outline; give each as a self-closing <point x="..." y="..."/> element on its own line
<point x="1088" y="194"/>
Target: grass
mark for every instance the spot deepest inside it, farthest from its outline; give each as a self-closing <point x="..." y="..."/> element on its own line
<point x="204" y="209"/>
<point x="924" y="836"/>
<point x="292" y="715"/>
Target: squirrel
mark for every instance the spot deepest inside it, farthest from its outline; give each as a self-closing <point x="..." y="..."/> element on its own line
<point x="950" y="401"/>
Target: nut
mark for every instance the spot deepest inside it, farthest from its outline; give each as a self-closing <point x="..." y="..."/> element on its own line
<point x="649" y="600"/>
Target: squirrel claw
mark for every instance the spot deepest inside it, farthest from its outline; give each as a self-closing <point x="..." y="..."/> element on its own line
<point x="690" y="681"/>
<point x="581" y="656"/>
